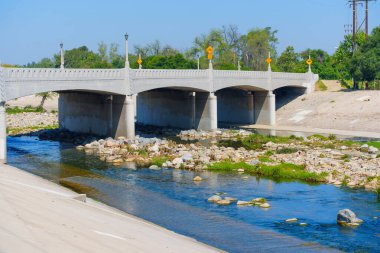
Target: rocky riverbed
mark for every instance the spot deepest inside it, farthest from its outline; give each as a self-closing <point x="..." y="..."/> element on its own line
<point x="354" y="166"/>
<point x="23" y="123"/>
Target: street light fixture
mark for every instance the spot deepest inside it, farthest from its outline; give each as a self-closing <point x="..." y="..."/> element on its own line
<point x="198" y="56"/>
<point x="126" y="36"/>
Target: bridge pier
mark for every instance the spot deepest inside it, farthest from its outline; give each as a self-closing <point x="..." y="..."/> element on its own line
<point x="3" y="134"/>
<point x="129" y="117"/>
<point x="265" y="107"/>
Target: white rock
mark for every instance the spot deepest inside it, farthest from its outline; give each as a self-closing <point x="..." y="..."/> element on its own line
<point x="243" y="203"/>
<point x="214" y="198"/>
<point x="372" y="150"/>
<point x="291" y="220"/>
<point x="264" y="205"/>
<point x="154" y="167"/>
<point x="177" y="161"/>
<point x="197" y="178"/>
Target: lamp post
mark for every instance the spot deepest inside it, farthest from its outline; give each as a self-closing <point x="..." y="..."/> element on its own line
<point x="198" y="56"/>
<point x="126" y="51"/>
<point x="62" y="57"/>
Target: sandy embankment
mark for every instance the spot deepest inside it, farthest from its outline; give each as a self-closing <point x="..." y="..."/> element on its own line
<point x="342" y="110"/>
<point x="39" y="216"/>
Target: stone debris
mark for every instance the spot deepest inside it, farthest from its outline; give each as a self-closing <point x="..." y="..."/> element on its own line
<point x="346" y="217"/>
<point x="197" y="178"/>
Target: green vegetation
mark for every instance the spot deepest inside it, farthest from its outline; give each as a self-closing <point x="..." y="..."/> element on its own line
<point x="375" y="144"/>
<point x="345" y="180"/>
<point x="286" y="150"/>
<point x="159" y="160"/>
<point x="256" y="141"/>
<point x="321" y="85"/>
<point x="285" y="171"/>
<point x="20" y="130"/>
<point x="16" y="109"/>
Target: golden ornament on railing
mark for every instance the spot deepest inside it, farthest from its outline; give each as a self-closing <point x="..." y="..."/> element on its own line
<point x="209" y="51"/>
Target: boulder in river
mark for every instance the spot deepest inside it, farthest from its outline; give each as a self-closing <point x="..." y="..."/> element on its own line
<point x="223" y="202"/>
<point x="197" y="178"/>
<point x="243" y="203"/>
<point x="231" y="199"/>
<point x="264" y="205"/>
<point x="346" y="217"/>
<point x="154" y="167"/>
<point x="214" y="198"/>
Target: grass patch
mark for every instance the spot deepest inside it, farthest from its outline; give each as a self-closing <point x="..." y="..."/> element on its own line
<point x="375" y="144"/>
<point x="28" y="108"/>
<point x="318" y="137"/>
<point x="321" y="85"/>
<point x="286" y="150"/>
<point x="284" y="171"/>
<point x="159" y="160"/>
<point x="256" y="141"/>
<point x="21" y="130"/>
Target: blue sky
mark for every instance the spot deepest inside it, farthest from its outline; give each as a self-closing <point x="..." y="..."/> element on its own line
<point x="33" y="29"/>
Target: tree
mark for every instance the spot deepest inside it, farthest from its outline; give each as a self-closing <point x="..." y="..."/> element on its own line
<point x="43" y="63"/>
<point x="365" y="63"/>
<point x="257" y="44"/>
<point x="45" y="96"/>
<point x="342" y="57"/>
<point x="102" y="49"/>
<point x="82" y="57"/>
<point x="168" y="62"/>
<point x="288" y="60"/>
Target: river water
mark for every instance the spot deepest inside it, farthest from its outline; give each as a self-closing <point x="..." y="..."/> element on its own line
<point x="170" y="198"/>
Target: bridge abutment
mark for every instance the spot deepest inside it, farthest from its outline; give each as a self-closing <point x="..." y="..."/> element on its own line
<point x="265" y="107"/>
<point x="3" y="134"/>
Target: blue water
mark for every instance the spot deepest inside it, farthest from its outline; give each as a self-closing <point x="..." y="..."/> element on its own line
<point x="171" y="199"/>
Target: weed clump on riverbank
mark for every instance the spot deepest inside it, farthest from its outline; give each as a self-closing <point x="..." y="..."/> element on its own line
<point x="286" y="171"/>
<point x="256" y="141"/>
<point x="26" y="109"/>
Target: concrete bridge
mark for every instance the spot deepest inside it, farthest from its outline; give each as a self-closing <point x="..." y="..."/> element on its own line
<point x="110" y="101"/>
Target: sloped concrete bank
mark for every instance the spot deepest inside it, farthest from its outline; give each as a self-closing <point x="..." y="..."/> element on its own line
<point x="39" y="216"/>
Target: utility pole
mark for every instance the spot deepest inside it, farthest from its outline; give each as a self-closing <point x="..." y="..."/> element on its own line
<point x="354" y="25"/>
<point x="366" y="18"/>
<point x="355" y="28"/>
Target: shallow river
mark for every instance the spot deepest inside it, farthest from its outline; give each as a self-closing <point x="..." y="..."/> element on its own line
<point x="171" y="199"/>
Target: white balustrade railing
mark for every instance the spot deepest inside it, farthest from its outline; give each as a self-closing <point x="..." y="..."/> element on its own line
<point x="169" y="73"/>
<point x="240" y="74"/>
<point x="12" y="74"/>
<point x="289" y="76"/>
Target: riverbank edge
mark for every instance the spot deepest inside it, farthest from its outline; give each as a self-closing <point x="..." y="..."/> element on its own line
<point x="23" y="197"/>
<point x="311" y="130"/>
